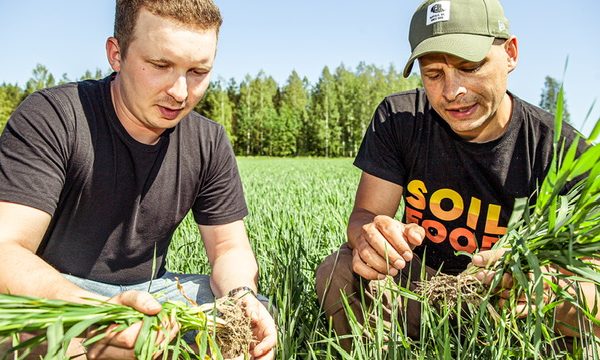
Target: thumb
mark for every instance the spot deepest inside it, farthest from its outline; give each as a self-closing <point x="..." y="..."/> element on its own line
<point x="414" y="234"/>
<point x="488" y="257"/>
<point x="139" y="300"/>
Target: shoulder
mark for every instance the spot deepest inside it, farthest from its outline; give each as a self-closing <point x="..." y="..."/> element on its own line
<point x="533" y="114"/>
<point x="541" y="122"/>
<point x="410" y="101"/>
<point x="402" y="108"/>
<point x="47" y="108"/>
<point x="54" y="97"/>
<point x="66" y="100"/>
<point x="202" y="132"/>
<point x="200" y="123"/>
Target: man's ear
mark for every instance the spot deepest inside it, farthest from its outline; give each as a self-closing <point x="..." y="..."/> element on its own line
<point x="113" y="53"/>
<point x="511" y="46"/>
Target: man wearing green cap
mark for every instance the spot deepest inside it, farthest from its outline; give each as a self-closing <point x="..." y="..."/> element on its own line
<point x="458" y="151"/>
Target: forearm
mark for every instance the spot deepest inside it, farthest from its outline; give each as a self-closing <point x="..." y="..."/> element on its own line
<point x="231" y="257"/>
<point x="358" y="219"/>
<point x="24" y="273"/>
<point x="232" y="269"/>
<point x="568" y="315"/>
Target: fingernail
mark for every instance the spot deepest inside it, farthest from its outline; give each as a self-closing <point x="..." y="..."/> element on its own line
<point x="407" y="255"/>
<point x="415" y="234"/>
<point x="393" y="271"/>
<point x="380" y="277"/>
<point x="477" y="259"/>
<point x="399" y="264"/>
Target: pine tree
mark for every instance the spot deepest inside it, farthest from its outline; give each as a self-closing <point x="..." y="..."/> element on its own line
<point x="322" y="132"/>
<point x="256" y="115"/>
<point x="217" y="106"/>
<point x="42" y="78"/>
<point x="549" y="97"/>
<point x="10" y="97"/>
<point x="293" y="113"/>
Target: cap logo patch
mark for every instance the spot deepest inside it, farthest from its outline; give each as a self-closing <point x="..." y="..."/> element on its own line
<point x="501" y="25"/>
<point x="438" y="11"/>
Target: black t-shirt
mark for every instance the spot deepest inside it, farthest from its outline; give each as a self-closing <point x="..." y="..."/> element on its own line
<point x="462" y="193"/>
<point x="113" y="200"/>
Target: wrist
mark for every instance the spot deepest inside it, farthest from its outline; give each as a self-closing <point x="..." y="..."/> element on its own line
<point x="241" y="291"/>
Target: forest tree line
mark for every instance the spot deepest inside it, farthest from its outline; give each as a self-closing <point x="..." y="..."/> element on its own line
<point x="327" y="118"/>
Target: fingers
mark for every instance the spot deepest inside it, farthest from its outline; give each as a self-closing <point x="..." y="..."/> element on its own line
<point x="378" y="252"/>
<point x="367" y="272"/>
<point x="487" y="277"/>
<point x="115" y="345"/>
<point x="265" y="349"/>
<point x="267" y="356"/>
<point x="385" y="246"/>
<point x="414" y="234"/>
<point x="139" y="300"/>
<point x="520" y="309"/>
<point x="100" y="351"/>
<point x="120" y="344"/>
<point x="123" y="339"/>
<point x="391" y="232"/>
<point x="487" y="258"/>
<point x="263" y="328"/>
<point x="522" y="301"/>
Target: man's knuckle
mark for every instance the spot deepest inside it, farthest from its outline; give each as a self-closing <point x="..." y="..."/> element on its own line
<point x="366" y="228"/>
<point x="364" y="253"/>
<point x="361" y="246"/>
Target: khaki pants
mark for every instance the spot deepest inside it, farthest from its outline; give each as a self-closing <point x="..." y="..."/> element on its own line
<point x="335" y="276"/>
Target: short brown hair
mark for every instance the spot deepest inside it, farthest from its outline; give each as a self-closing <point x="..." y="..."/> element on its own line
<point x="203" y="14"/>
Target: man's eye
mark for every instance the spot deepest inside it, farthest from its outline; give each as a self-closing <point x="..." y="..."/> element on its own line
<point x="433" y="76"/>
<point x="160" y="66"/>
<point x="472" y="69"/>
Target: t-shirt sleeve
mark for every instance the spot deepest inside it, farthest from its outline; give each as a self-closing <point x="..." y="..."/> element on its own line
<point x="34" y="154"/>
<point x="380" y="153"/>
<point x="221" y="196"/>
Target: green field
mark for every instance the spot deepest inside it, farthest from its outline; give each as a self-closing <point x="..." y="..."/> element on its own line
<point x="298" y="209"/>
<point x="298" y="214"/>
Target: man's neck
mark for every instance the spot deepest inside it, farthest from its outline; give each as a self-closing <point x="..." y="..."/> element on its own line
<point x="498" y="125"/>
<point x="134" y="127"/>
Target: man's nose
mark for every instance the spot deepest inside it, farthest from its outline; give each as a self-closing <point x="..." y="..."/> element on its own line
<point x="453" y="86"/>
<point x="179" y="90"/>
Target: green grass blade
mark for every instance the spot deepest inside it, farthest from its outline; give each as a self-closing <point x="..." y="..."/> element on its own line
<point x="558" y="116"/>
<point x="145" y="339"/>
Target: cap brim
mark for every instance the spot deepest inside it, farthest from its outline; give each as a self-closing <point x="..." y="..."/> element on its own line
<point x="465" y="46"/>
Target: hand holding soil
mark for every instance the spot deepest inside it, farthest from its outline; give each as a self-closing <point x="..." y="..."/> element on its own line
<point x="384" y="247"/>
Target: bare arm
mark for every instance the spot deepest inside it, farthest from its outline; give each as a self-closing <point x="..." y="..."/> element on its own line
<point x="22" y="272"/>
<point x="230" y="256"/>
<point x="233" y="265"/>
<point x="567" y="314"/>
<point x="381" y="245"/>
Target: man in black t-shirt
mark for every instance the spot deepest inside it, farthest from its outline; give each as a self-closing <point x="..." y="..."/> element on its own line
<point x="96" y="176"/>
<point x="459" y="152"/>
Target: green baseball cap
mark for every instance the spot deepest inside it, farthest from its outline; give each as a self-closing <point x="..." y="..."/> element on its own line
<point x="463" y="28"/>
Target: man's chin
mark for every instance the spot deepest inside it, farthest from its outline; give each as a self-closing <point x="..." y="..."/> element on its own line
<point x="468" y="129"/>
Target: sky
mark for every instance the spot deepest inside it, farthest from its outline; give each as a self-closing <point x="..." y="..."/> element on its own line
<point x="278" y="36"/>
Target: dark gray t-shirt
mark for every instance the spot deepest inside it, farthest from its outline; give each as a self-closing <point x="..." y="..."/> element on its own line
<point x="112" y="198"/>
<point x="462" y="193"/>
